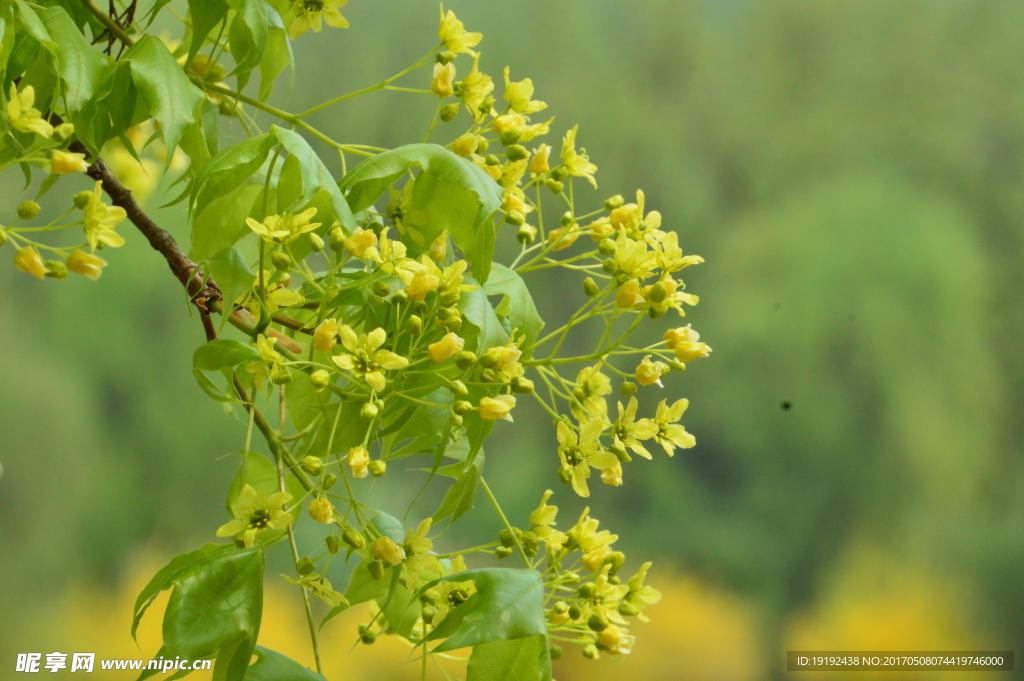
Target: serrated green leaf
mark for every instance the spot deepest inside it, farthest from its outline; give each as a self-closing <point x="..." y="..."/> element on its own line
<point x="206" y="15"/>
<point x="248" y="34"/>
<point x="273" y="666"/>
<point x="223" y="224"/>
<point x="221" y="354"/>
<point x="169" y="96"/>
<point x="508" y="604"/>
<point x="232" y="274"/>
<point x="215" y="611"/>
<point x="450" y="193"/>
<point x="162" y="579"/>
<point x="519" y="659"/>
<point x="522" y="313"/>
<point x="81" y="67"/>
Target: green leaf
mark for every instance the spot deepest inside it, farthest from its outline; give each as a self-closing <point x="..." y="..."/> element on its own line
<point x="261" y="473"/>
<point x="223" y="224"/>
<point x="273" y="666"/>
<point x="450" y="193"/>
<point x="80" y="67"/>
<point x="169" y="96"/>
<point x="232" y="274"/>
<point x="230" y="170"/>
<point x="522" y="311"/>
<point x="519" y="659"/>
<point x="302" y="401"/>
<point x="43" y="79"/>
<point x="483" y="329"/>
<point x="110" y="111"/>
<point x="277" y="55"/>
<point x="397" y="611"/>
<point x="316" y="178"/>
<point x="458" y="500"/>
<point x="206" y="15"/>
<point x="222" y="354"/>
<point x="362" y="587"/>
<point x="424" y="424"/>
<point x="162" y="579"/>
<point x="248" y="34"/>
<point x="215" y="611"/>
<point x="389" y="526"/>
<point x="508" y="604"/>
<point x="33" y="25"/>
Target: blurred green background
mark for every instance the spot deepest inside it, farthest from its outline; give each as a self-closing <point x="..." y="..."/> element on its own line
<point x="853" y="172"/>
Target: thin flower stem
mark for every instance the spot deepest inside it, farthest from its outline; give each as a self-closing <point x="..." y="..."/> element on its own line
<point x="504" y="520"/>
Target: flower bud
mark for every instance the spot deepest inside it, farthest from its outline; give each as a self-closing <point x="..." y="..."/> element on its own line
<point x="378" y="468"/>
<point x="439" y="247"/>
<point x="414" y="325"/>
<point x="560" y="608"/>
<point x="482" y="146"/>
<point x="449" y="111"/>
<point x="353" y="538"/>
<point x="462" y="407"/>
<point x="366" y="637"/>
<point x="492" y="376"/>
<point x="376" y="570"/>
<point x="320" y="379"/>
<point x="386" y="549"/>
<point x="657" y="293"/>
<point x="614" y="202"/>
<point x="446" y="57"/>
<point x="676" y="365"/>
<point x="567" y="219"/>
<point x="554" y="186"/>
<point x="333" y="543"/>
<point x="419" y="307"/>
<point x="509" y="539"/>
<point x="316" y="242"/>
<point x="28" y="210"/>
<point x="492" y="160"/>
<point x="523" y="386"/>
<point x="621" y="454"/>
<point x="321" y="510"/>
<point x="305" y="566"/>
<point x="82" y="199"/>
<point x="515" y="218"/>
<point x="282" y="377"/>
<point x="281" y="260"/>
<point x="453" y="325"/>
<point x="606" y="247"/>
<point x="458" y="387"/>
<point x="502" y="552"/>
<point x="656" y="311"/>
<point x="336" y="240"/>
<point x="585" y="590"/>
<point x="597" y="622"/>
<point x="574" y="612"/>
<point x="526" y="234"/>
<point x="399" y="298"/>
<point x="510" y="137"/>
<point x="456" y="420"/>
<point x="64" y="131"/>
<point x="560" y="173"/>
<point x="590" y="287"/>
<point x="565" y="475"/>
<point x="555" y="652"/>
<point x="312" y="465"/>
<point x="381" y="289"/>
<point x="328" y="481"/>
<point x="609" y="266"/>
<point x="450" y="297"/>
<point x="627" y="609"/>
<point x="56" y="269"/>
<point x="368" y="412"/>
<point x="590" y="652"/>
<point x="616" y="559"/>
<point x="516" y="152"/>
<point x="490" y="359"/>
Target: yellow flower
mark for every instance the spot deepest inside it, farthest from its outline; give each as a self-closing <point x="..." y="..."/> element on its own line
<point x="452" y="32"/>
<point x="639" y="595"/>
<point x="64" y="162"/>
<point x="616" y="640"/>
<point x="685" y="342"/>
<point x="360" y="241"/>
<point x="628" y="433"/>
<point x="419" y="559"/>
<point x="28" y="260"/>
<point x="588" y="397"/>
<point x="254" y="512"/>
<point x="359" y="461"/>
<point x="577" y="163"/>
<point x="649" y="373"/>
<point x="539" y="163"/>
<point x="612" y="476"/>
<point x="584" y="536"/>
<point x="426" y="277"/>
<point x="633" y="257"/>
<point x="520" y="95"/>
<point x="670" y="433"/>
<point x="86" y="264"/>
<point x="321" y="510"/>
<point x="446" y="347"/>
<point x="542" y="522"/>
<point x="365" y="357"/>
<point x="280" y="229"/>
<point x="466" y="145"/>
<point x="515" y="199"/>
<point x="493" y="408"/>
<point x="271" y="359"/>
<point x="100" y="219"/>
<point x="321" y="588"/>
<point x="387" y="550"/>
<point x="326" y="335"/>
<point x="509" y="123"/>
<point x="578" y="454"/>
<point x="282" y="296"/>
<point x="439" y="247"/>
<point x="594" y="560"/>
<point x="563" y="237"/>
<point x="444" y="74"/>
<point x="310" y="14"/>
<point x="629" y="295"/>
<point x="475" y="88"/>
<point x="536" y="130"/>
<point x="22" y="116"/>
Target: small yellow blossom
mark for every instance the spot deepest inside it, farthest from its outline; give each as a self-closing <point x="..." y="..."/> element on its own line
<point x="475" y="89"/>
<point x="466" y="145"/>
<point x="509" y="123"/>
<point x="616" y="640"/>
<point x="536" y="130"/>
<point x="326" y="335"/>
<point x="321" y="588"/>
<point x="28" y="260"/>
<point x="426" y="277"/>
<point x="359" y="461"/>
<point x="577" y="163"/>
<point x="22" y="116"/>
<point x="446" y="347"/>
<point x="386" y="549"/>
<point x="539" y="163"/>
<point x="100" y="219"/>
<point x="520" y="95"/>
<point x="670" y="433"/>
<point x="254" y="512"/>
<point x="439" y="247"/>
<point x="626" y="432"/>
<point x="444" y="75"/>
<point x="563" y="237"/>
<point x="639" y="595"/>
<point x="649" y="373"/>
<point x="453" y="33"/>
<point x="579" y="454"/>
<point x="612" y="476"/>
<point x="321" y="510"/>
<point x="64" y="162"/>
<point x="311" y="14"/>
<point x="630" y="296"/>
<point x="588" y="397"/>
<point x="542" y="522"/>
<point x="281" y="229"/>
<point x="86" y="264"/>
<point x="366" y="358"/>
<point x="686" y="343"/>
<point x="493" y="408"/>
<point x="584" y="536"/>
<point x="360" y="241"/>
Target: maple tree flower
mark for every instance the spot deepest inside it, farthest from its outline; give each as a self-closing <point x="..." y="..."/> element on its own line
<point x="612" y="476"/>
<point x="449" y="345"/>
<point x="542" y="523"/>
<point x="321" y="510"/>
<point x="360" y="242"/>
<point x="321" y="588"/>
<point x="27" y="259"/>
<point x="64" y="162"/>
<point x="366" y="358"/>
<point x="386" y="549"/>
<point x="22" y="115"/>
<point x="359" y="461"/>
<point x="453" y="34"/>
<point x="255" y="512"/>
<point x="686" y="343"/>
<point x="640" y="595"/>
<point x="100" y="219"/>
<point x="670" y="433"/>
<point x="312" y="14"/>
<point x="539" y="163"/>
<point x="325" y="337"/>
<point x="615" y="640"/>
<point x="627" y="432"/>
<point x="493" y="408"/>
<point x="519" y="95"/>
<point x="86" y="264"/>
<point x="281" y="229"/>
<point x="579" y="453"/>
<point x="577" y="162"/>
<point x="649" y="373"/>
<point x="444" y="75"/>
